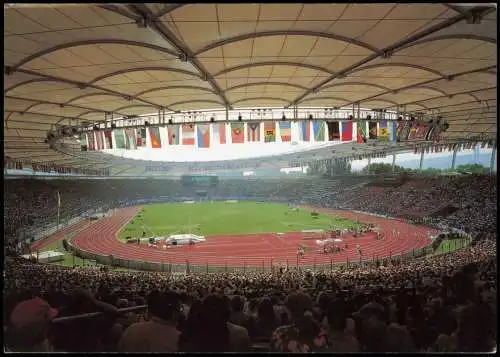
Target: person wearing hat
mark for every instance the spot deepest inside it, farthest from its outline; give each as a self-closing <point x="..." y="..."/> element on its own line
<point x="159" y="333"/>
<point x="29" y="325"/>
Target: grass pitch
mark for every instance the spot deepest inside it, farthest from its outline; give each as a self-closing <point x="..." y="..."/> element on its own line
<point x="215" y="218"/>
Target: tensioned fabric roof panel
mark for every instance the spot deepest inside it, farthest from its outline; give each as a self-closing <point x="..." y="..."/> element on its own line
<point x="73" y="62"/>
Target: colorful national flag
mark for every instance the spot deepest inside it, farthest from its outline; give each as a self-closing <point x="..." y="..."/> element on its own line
<point x="99" y="141"/>
<point x="421" y="131"/>
<point x="141" y="138"/>
<point x="237" y="133"/>
<point x="203" y="135"/>
<point x="108" y="138"/>
<point x="347" y="131"/>
<point x="154" y="136"/>
<point x="360" y="131"/>
<point x="403" y="131"/>
<point x="173" y="134"/>
<point x="131" y="141"/>
<point x="383" y="131"/>
<point x="90" y="138"/>
<point x="333" y="130"/>
<point x="372" y="130"/>
<point x="187" y="134"/>
<point x="120" y="138"/>
<point x="319" y="130"/>
<point x="392" y="131"/>
<point x="219" y="130"/>
<point x="285" y="131"/>
<point x="305" y="130"/>
<point x="253" y="130"/>
<point x="269" y="131"/>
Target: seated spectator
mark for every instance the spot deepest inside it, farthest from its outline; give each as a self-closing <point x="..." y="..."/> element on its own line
<point x="223" y="337"/>
<point x="159" y="333"/>
<point x="266" y="321"/>
<point x="304" y="334"/>
<point x="83" y="335"/>
<point x="28" y="327"/>
<point x="338" y="339"/>
<point x="472" y="334"/>
<point x="238" y="316"/>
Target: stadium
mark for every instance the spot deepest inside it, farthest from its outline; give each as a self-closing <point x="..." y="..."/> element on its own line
<point x="250" y="177"/>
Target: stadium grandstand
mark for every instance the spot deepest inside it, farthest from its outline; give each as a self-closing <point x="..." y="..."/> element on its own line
<point x="250" y="177"/>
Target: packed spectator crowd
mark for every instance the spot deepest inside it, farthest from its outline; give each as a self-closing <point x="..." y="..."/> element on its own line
<point x="443" y="303"/>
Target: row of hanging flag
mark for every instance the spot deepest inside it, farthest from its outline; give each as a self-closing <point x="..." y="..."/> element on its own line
<point x="204" y="134"/>
<point x="436" y="148"/>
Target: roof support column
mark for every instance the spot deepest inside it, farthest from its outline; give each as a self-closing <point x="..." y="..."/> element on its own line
<point x="369" y="163"/>
<point x="454" y="157"/>
<point x="492" y="160"/>
<point x="393" y="162"/>
<point x="421" y="161"/>
<point x="227" y="113"/>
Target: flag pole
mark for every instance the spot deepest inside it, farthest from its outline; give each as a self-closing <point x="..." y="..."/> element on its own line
<point x="58" y="210"/>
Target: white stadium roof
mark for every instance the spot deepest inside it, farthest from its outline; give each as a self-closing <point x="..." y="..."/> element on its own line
<point x="65" y="64"/>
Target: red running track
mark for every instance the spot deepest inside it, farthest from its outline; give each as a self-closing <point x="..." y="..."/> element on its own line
<point x="251" y="249"/>
<point x="39" y="244"/>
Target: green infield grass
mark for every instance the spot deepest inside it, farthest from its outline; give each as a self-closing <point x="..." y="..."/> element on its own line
<point x="214" y="218"/>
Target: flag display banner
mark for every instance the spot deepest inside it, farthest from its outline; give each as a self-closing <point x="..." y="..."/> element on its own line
<point x="119" y="138"/>
<point x="90" y="138"/>
<point x="187" y="134"/>
<point x="285" y="131"/>
<point x="347" y="131"/>
<point x="305" y="130"/>
<point x="319" y="130"/>
<point x="383" y="131"/>
<point x="429" y="133"/>
<point x="334" y="130"/>
<point x="392" y="131"/>
<point x="372" y="130"/>
<point x="99" y="140"/>
<point x="269" y="131"/>
<point x="83" y="142"/>
<point x="131" y="140"/>
<point x="219" y="130"/>
<point x="173" y="134"/>
<point x="253" y="130"/>
<point x="108" y="138"/>
<point x="154" y="136"/>
<point x="412" y="134"/>
<point x="141" y="138"/>
<point x="421" y="131"/>
<point x="403" y="131"/>
<point x="360" y="133"/>
<point x="203" y="135"/>
<point x="237" y="133"/>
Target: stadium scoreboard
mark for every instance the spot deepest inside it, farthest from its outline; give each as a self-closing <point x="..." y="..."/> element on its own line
<point x="199" y="181"/>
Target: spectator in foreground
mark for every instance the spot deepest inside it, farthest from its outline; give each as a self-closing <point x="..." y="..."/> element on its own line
<point x="159" y="333"/>
<point x="339" y="339"/>
<point x="211" y="331"/>
<point x="304" y="334"/>
<point x="29" y="326"/>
